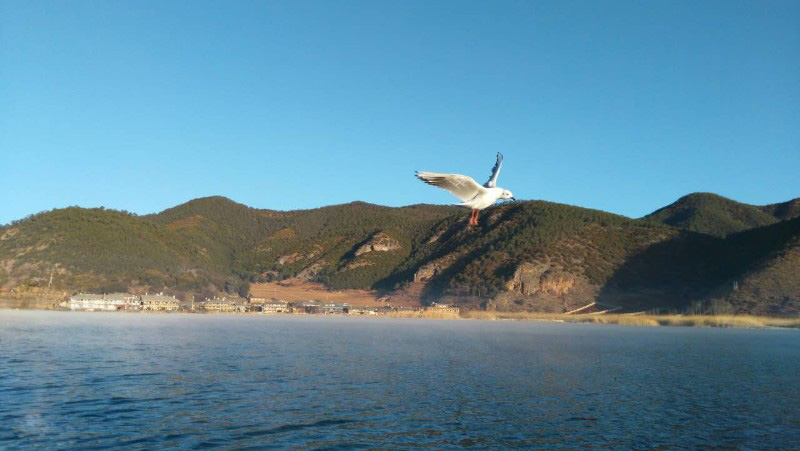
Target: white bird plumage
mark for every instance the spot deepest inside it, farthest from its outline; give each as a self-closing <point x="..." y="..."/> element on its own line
<point x="465" y="188"/>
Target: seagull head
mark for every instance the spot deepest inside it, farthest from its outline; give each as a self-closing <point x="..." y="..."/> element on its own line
<point x="506" y="194"/>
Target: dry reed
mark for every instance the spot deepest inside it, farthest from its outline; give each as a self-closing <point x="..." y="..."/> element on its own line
<point x="424" y="314"/>
<point x="747" y="321"/>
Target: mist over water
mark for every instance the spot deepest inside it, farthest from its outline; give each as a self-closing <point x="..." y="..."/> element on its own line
<point x="104" y="380"/>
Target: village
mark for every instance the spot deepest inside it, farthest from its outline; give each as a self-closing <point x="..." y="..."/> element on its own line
<point x="126" y="302"/>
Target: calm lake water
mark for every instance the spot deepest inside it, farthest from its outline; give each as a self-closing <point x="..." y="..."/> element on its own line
<point x="105" y="380"/>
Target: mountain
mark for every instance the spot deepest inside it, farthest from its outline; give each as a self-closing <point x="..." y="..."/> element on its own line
<point x="784" y="210"/>
<point x="764" y="275"/>
<point x="98" y="249"/>
<point x="204" y="246"/>
<point x="532" y="255"/>
<point x="319" y="243"/>
<point x="718" y="216"/>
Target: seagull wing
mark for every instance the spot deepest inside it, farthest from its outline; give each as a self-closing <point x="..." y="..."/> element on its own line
<point x="463" y="187"/>
<point x="492" y="182"/>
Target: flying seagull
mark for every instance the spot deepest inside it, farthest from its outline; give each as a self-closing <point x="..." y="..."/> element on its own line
<point x="472" y="195"/>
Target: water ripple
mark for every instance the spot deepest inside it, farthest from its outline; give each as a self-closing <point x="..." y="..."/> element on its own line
<point x="328" y="383"/>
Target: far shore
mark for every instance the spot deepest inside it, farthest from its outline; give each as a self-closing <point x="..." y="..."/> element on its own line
<point x="723" y="321"/>
<point x="742" y="321"/>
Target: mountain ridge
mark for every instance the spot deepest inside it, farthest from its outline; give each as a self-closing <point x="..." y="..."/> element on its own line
<point x="527" y="255"/>
<point x="716" y="215"/>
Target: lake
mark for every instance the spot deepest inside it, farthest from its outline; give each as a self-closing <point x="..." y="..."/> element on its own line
<point x="108" y="380"/>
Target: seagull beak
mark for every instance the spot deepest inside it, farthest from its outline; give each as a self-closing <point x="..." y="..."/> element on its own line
<point x="514" y="198"/>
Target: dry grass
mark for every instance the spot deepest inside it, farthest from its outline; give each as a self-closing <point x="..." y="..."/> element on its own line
<point x="728" y="321"/>
<point x="423" y="314"/>
<point x="747" y="321"/>
<point x="294" y="290"/>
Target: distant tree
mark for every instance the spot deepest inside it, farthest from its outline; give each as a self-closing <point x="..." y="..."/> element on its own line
<point x="244" y="288"/>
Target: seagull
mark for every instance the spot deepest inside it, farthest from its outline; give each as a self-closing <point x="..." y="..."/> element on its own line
<point x="472" y="195"/>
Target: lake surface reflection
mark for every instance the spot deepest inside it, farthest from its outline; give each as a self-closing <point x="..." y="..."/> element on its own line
<point x="105" y="380"/>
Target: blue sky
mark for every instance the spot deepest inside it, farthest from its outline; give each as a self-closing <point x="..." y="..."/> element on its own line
<point x="616" y="105"/>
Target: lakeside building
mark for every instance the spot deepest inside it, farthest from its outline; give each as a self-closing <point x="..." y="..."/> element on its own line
<point x="306" y="307"/>
<point x="334" y="309"/>
<point x="242" y="306"/>
<point x="274" y="307"/>
<point x="225" y="305"/>
<point x="114" y="302"/>
<point x="218" y="305"/>
<point x="125" y="301"/>
<point x="362" y="310"/>
<point x="159" y="302"/>
<point x="257" y="303"/>
<point x="91" y="302"/>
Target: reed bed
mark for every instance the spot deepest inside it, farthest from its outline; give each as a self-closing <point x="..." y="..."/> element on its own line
<point x="424" y="314"/>
<point x="746" y="321"/>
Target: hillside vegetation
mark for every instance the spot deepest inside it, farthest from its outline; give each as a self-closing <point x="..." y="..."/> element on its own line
<point x="703" y="253"/>
<point x="718" y="216"/>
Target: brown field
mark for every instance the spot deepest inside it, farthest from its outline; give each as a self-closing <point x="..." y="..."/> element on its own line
<point x="28" y="303"/>
<point x="299" y="290"/>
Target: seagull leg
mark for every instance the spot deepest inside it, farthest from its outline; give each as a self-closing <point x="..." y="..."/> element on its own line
<point x="477" y="212"/>
<point x="472" y="217"/>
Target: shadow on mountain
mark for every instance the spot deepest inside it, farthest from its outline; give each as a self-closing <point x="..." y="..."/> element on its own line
<point x="672" y="275"/>
<point x="666" y="276"/>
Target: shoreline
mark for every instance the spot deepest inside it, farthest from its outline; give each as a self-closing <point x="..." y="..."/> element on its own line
<point x="718" y="321"/>
<point x="722" y="321"/>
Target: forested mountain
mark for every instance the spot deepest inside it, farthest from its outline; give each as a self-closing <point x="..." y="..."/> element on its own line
<point x="784" y="210"/>
<point x="716" y="215"/>
<point x="763" y="269"/>
<point x="703" y="252"/>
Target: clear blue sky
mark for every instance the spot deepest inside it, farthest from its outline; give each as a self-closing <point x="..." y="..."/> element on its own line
<point x="616" y="105"/>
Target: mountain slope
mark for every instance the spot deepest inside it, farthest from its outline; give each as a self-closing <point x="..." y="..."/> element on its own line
<point x="765" y="271"/>
<point x="207" y="245"/>
<point x="783" y="210"/>
<point x="96" y="248"/>
<point x="714" y="215"/>
<point x="527" y="255"/>
<point x="522" y="256"/>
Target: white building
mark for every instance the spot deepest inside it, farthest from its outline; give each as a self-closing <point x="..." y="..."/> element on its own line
<point x="89" y="302"/>
<point x="125" y="301"/>
<point x="113" y="302"/>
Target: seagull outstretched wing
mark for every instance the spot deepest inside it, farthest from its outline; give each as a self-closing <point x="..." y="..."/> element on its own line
<point x="492" y="182"/>
<point x="463" y="187"/>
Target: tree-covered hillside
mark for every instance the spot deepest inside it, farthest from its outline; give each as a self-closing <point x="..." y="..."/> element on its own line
<point x="716" y="215"/>
<point x="783" y="210"/>
<point x="100" y="249"/>
<point x="522" y="256"/>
